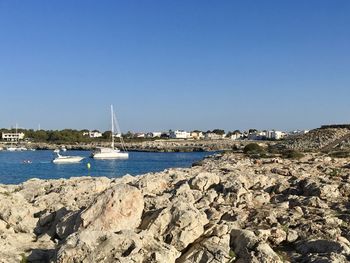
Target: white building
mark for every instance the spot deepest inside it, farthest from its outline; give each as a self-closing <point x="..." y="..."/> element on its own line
<point x="213" y="136"/>
<point x="297" y="132"/>
<point x="179" y="134"/>
<point x="275" y="135"/>
<point x="12" y="136"/>
<point x="259" y="135"/>
<point x="236" y="136"/>
<point x="156" y="134"/>
<point x="153" y="135"/>
<point x="93" y="134"/>
<point x="197" y="135"/>
<point x="140" y="135"/>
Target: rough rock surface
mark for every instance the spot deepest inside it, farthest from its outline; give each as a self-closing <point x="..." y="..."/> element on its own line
<point x="227" y="208"/>
<point x="320" y="139"/>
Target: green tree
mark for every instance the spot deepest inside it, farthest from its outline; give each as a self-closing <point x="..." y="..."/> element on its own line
<point x="218" y="131"/>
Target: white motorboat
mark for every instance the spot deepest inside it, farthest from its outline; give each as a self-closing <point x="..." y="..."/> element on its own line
<point x="67" y="159"/>
<point x="112" y="152"/>
<point x="16" y="149"/>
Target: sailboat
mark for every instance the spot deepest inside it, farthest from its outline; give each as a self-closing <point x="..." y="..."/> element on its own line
<point x="111" y="152"/>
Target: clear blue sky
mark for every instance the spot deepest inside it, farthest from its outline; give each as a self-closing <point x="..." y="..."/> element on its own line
<point x="175" y="64"/>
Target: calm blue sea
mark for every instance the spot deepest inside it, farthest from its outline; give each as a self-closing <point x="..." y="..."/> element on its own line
<point x="14" y="170"/>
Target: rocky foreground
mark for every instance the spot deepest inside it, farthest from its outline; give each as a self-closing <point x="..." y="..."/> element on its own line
<point x="226" y="208"/>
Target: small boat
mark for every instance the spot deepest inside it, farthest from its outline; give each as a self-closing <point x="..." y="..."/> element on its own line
<point x="112" y="152"/>
<point x="22" y="149"/>
<point x="16" y="149"/>
<point x="67" y="159"/>
<point x="11" y="149"/>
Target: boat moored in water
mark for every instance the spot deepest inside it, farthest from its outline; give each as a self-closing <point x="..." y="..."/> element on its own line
<point x="67" y="159"/>
<point x="16" y="149"/>
<point x="109" y="153"/>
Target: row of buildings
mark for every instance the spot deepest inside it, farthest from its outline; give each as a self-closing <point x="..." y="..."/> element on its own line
<point x="182" y="134"/>
<point x="236" y="135"/>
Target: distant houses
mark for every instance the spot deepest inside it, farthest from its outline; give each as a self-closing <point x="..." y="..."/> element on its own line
<point x="213" y="136"/>
<point x="299" y="132"/>
<point x="236" y="135"/>
<point x="266" y="135"/>
<point x="8" y="135"/>
<point x="93" y="134"/>
<point x="153" y="135"/>
<point x="140" y="135"/>
<point x="197" y="135"/>
<point x="12" y="136"/>
<point x="179" y="134"/>
<point x="216" y="134"/>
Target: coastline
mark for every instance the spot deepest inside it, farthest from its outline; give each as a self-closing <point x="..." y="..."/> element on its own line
<point x="226" y="207"/>
<point x="155" y="146"/>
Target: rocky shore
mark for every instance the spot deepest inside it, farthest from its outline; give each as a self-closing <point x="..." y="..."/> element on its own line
<point x="151" y="146"/>
<point x="185" y="145"/>
<point x="157" y="145"/>
<point x="324" y="139"/>
<point x="226" y="208"/>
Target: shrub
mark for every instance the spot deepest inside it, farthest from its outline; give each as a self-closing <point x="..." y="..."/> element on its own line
<point x="292" y="154"/>
<point x="253" y="148"/>
<point x="334" y="172"/>
<point x="340" y="154"/>
<point x="273" y="149"/>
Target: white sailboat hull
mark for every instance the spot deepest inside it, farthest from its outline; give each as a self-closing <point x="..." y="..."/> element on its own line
<point x="111" y="152"/>
<point x="108" y="153"/>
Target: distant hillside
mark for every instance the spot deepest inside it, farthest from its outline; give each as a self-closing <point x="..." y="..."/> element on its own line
<point x="326" y="138"/>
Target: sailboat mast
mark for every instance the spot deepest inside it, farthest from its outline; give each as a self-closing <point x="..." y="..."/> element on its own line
<point x="16" y="138"/>
<point x="112" y="129"/>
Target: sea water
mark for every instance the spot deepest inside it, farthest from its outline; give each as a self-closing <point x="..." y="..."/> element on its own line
<point x="17" y="167"/>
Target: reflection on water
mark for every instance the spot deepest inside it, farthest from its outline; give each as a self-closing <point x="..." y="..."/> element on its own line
<point x="14" y="166"/>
